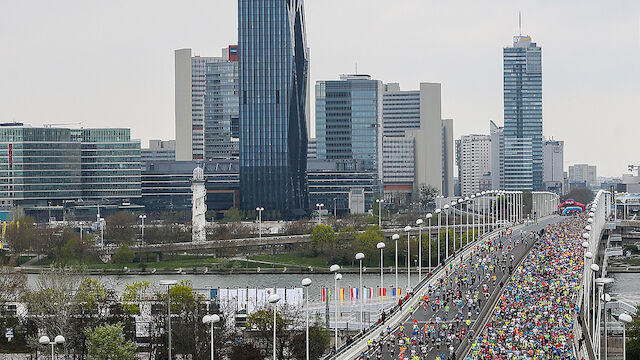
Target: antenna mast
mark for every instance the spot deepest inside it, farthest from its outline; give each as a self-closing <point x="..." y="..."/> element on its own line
<point x="520" y="22"/>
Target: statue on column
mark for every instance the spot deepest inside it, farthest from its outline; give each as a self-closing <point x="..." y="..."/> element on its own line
<point x="199" y="207"/>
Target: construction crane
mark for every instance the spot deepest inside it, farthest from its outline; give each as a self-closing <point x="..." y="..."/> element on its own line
<point x="62" y="124"/>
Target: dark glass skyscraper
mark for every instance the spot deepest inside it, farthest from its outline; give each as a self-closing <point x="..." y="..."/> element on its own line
<point x="273" y="81"/>
<point x="523" y="115"/>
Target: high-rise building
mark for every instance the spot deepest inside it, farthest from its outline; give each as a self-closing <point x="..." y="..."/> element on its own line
<point x="523" y="115"/>
<point x="44" y="168"/>
<point x="553" y="161"/>
<point x="497" y="156"/>
<point x="583" y="173"/>
<point x="448" y="151"/>
<point x="348" y="122"/>
<point x="206" y="105"/>
<point x="414" y="141"/>
<point x="158" y="150"/>
<point x="273" y="74"/>
<point x="473" y="162"/>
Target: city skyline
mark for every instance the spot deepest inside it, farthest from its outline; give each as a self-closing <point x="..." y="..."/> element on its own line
<point x="124" y="77"/>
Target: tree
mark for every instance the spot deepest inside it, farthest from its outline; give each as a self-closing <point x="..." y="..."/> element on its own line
<point x="21" y="235"/>
<point x="136" y="294"/>
<point x="366" y="243"/>
<point x="319" y="339"/>
<point x="633" y="336"/>
<point x="107" y="342"/>
<point x="323" y="238"/>
<point x="124" y="255"/>
<point x="12" y="284"/>
<point x="426" y="194"/>
<point x="245" y="351"/>
<point x="121" y="228"/>
<point x="232" y="215"/>
<point x="582" y="195"/>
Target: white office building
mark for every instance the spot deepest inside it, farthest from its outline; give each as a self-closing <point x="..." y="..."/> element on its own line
<point x="414" y="152"/>
<point x="206" y="106"/>
<point x="474" y="162"/>
<point x="553" y="165"/>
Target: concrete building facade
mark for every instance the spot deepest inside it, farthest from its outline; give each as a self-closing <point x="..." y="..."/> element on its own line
<point x="553" y="161"/>
<point x="206" y="105"/>
<point x="586" y="173"/>
<point x="474" y="162"/>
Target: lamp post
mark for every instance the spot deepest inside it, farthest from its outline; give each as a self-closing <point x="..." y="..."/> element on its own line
<point x="438" y="211"/>
<point x="408" y="230"/>
<point x="359" y="257"/>
<point x="624" y="319"/>
<point x="379" y="201"/>
<point x="395" y="238"/>
<point x="473" y="218"/>
<point x="466" y="200"/>
<point x="334" y="269"/>
<point x="594" y="269"/>
<point x="381" y="246"/>
<point x="44" y="340"/>
<point x="429" y="216"/>
<point x="319" y="213"/>
<point x="168" y="284"/>
<point x="602" y="282"/>
<point x="306" y="282"/>
<point x="273" y="299"/>
<point x="142" y="217"/>
<point x="260" y="209"/>
<point x="446" y="232"/>
<point x="460" y="201"/>
<point x="211" y="319"/>
<point x="585" y="296"/>
<point x="419" y="223"/>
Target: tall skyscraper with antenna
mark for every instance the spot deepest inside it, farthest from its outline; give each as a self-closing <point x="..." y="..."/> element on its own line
<point x="522" y="114"/>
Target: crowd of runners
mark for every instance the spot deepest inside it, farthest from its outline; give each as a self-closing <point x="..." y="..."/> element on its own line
<point x="448" y="309"/>
<point x="534" y="317"/>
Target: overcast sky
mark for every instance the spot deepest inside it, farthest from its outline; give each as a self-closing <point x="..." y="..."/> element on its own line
<point x="110" y="63"/>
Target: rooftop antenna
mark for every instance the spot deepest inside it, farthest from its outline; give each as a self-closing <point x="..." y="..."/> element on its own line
<point x="356" y="68"/>
<point x="520" y="22"/>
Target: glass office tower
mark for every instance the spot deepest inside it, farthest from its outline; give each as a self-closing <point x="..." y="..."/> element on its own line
<point x="523" y="115"/>
<point x="348" y="118"/>
<point x="273" y="60"/>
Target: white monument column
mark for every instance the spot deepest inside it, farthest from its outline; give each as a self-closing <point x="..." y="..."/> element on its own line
<point x="199" y="207"/>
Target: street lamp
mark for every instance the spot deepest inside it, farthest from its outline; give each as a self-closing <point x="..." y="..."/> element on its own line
<point x="429" y="216"/>
<point x="381" y="246"/>
<point x="473" y="218"/>
<point x="446" y="233"/>
<point x="624" y="319"/>
<point x="319" y="212"/>
<point x="142" y="217"/>
<point x="306" y="282"/>
<point x="419" y="222"/>
<point x="168" y="284"/>
<point x="273" y="299"/>
<point x="460" y="201"/>
<point x="594" y="269"/>
<point x="438" y="211"/>
<point x="334" y="269"/>
<point x="408" y="230"/>
<point x="359" y="257"/>
<point x="211" y="319"/>
<point x="259" y="209"/>
<point x="44" y="340"/>
<point x="379" y="201"/>
<point x="605" y="299"/>
<point x="395" y="238"/>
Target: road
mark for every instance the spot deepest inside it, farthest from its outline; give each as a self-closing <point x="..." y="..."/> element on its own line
<point x="454" y="304"/>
